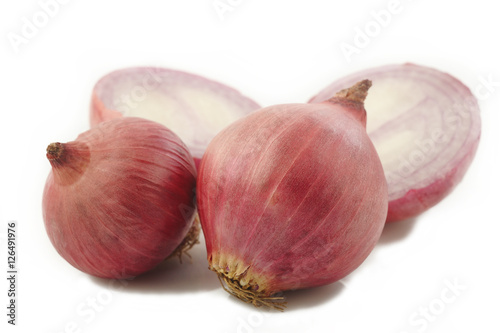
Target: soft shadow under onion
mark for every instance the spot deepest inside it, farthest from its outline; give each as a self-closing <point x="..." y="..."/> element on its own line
<point x="172" y="276"/>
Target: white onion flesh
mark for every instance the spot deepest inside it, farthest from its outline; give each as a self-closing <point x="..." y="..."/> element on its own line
<point x="193" y="107"/>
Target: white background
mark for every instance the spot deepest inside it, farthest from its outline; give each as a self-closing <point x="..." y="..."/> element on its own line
<point x="274" y="52"/>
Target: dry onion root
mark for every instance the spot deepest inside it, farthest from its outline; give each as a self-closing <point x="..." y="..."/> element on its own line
<point x="291" y="196"/>
<point x="247" y="295"/>
<point x="425" y="125"/>
<point x="191" y="239"/>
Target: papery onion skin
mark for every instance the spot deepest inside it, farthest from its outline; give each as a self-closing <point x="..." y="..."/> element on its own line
<point x="120" y="198"/>
<point x="438" y="104"/>
<point x="193" y="107"/>
<point x="291" y="196"/>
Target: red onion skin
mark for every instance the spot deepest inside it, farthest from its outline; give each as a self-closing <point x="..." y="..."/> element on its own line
<point x="292" y="196"/>
<point x="416" y="201"/>
<point x="421" y="197"/>
<point x="115" y="203"/>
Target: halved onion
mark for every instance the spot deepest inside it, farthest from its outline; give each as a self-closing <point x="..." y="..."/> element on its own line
<point x="425" y="125"/>
<point x="193" y="107"/>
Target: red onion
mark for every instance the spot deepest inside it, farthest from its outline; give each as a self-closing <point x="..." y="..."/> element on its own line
<point x="119" y="199"/>
<point x="193" y="107"/>
<point x="292" y="196"/>
<point x="425" y="125"/>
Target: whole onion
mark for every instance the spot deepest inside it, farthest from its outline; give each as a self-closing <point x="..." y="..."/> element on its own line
<point x="292" y="196"/>
<point x="120" y="198"/>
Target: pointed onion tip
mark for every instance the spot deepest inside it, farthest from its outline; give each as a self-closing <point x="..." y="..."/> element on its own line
<point x="356" y="93"/>
<point x="54" y="150"/>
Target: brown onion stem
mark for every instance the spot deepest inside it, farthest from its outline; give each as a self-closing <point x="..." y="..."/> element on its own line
<point x="356" y="93"/>
<point x="353" y="99"/>
<point x="54" y="150"/>
<point x="68" y="160"/>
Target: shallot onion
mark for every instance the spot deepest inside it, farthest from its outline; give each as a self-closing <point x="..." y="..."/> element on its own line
<point x="191" y="106"/>
<point x="120" y="198"/>
<point x="291" y="196"/>
<point x="425" y="125"/>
